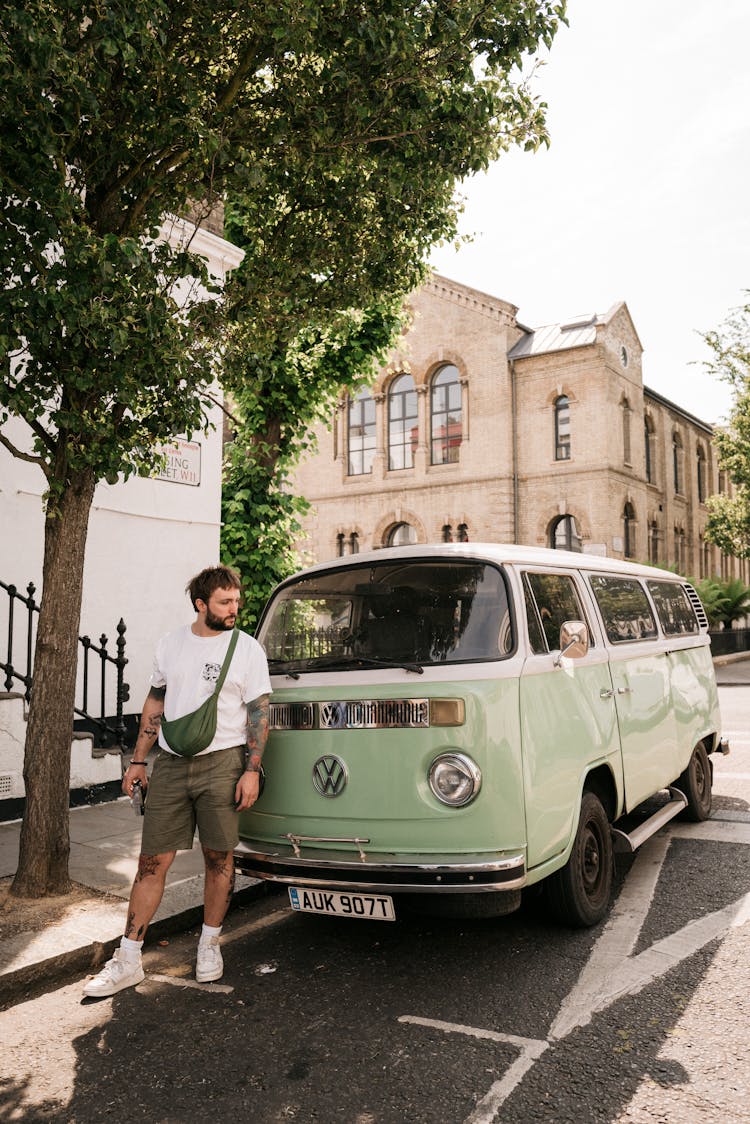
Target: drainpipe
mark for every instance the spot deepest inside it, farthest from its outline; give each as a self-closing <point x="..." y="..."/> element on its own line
<point x="514" y="443"/>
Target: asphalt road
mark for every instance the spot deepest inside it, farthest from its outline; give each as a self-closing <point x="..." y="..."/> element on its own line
<point x="642" y="1019"/>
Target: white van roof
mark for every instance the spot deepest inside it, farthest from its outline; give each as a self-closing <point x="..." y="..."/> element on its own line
<point x="500" y="553"/>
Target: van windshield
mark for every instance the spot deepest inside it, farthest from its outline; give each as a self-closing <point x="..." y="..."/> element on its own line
<point x="399" y="613"/>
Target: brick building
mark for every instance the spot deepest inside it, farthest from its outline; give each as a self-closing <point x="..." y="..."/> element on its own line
<point x="480" y="428"/>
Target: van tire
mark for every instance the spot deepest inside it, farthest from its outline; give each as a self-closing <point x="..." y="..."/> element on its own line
<point x="696" y="783"/>
<point x="579" y="893"/>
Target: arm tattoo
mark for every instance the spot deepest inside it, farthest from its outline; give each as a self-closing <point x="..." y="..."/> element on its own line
<point x="150" y="724"/>
<point x="257" y="729"/>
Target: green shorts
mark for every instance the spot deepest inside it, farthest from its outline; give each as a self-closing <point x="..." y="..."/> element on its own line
<point x="187" y="791"/>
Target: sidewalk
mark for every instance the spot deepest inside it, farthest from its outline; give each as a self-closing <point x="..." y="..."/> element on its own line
<point x="104" y="848"/>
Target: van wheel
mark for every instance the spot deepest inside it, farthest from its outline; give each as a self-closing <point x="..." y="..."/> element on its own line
<point x="579" y="893"/>
<point x="696" y="782"/>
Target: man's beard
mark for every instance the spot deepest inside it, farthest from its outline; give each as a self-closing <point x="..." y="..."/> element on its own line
<point x="220" y="624"/>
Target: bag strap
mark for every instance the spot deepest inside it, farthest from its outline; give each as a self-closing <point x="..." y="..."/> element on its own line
<point x="227" y="661"/>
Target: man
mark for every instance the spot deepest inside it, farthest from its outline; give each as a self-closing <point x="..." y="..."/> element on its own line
<point x="209" y="789"/>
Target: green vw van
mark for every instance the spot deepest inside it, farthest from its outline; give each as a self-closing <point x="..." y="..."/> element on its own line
<point x="466" y="720"/>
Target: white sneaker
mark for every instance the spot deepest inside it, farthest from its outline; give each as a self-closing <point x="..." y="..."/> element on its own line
<point x="117" y="974"/>
<point x="209" y="964"/>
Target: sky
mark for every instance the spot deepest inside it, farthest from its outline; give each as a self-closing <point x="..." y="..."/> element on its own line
<point x="643" y="194"/>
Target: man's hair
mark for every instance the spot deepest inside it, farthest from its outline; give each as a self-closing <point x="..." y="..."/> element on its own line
<point x="209" y="580"/>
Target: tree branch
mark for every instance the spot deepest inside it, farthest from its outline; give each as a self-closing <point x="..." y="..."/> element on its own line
<point x="222" y="407"/>
<point x="14" y="452"/>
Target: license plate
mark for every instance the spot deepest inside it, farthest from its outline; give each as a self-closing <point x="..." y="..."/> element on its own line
<point x="369" y="907"/>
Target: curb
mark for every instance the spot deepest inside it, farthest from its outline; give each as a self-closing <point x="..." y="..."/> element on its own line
<point x="33" y="980"/>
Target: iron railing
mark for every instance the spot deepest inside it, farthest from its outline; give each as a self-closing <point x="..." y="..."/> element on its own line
<point x="109" y="729"/>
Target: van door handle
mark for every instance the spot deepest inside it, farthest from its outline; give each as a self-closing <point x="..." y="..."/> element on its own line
<point x="605" y="694"/>
<point x="624" y="690"/>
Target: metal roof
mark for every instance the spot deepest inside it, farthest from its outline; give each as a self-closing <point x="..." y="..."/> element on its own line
<point x="577" y="332"/>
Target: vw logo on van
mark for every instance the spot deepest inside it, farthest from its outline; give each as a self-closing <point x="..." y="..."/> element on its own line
<point x="334" y="715"/>
<point x="329" y="776"/>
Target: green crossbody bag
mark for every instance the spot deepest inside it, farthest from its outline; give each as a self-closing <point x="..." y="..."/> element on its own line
<point x="195" y="731"/>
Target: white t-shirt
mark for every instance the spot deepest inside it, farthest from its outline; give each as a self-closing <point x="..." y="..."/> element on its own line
<point x="189" y="665"/>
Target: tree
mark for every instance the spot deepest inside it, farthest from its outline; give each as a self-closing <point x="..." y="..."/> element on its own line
<point x="273" y="410"/>
<point x="728" y="524"/>
<point x="338" y="130"/>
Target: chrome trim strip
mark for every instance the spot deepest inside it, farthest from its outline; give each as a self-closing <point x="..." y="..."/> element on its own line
<point x="351" y="714"/>
<point x="418" y="874"/>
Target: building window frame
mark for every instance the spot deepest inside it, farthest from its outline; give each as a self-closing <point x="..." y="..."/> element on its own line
<point x="562" y="427"/>
<point x="700" y="471"/>
<point x="361" y="439"/>
<point x="648" y="445"/>
<point x="629" y="523"/>
<point x="402" y="409"/>
<point x="627" y="415"/>
<point x="678" y="453"/>
<point x="446" y="415"/>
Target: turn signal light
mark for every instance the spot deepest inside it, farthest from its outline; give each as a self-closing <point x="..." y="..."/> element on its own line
<point x="447" y="712"/>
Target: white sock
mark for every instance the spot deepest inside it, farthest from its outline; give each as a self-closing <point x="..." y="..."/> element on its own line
<point x="131" y="950"/>
<point x="209" y="931"/>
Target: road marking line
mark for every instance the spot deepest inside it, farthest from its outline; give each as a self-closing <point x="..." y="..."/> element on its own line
<point x="180" y="981"/>
<point x="612" y="972"/>
<point x="714" y="830"/>
<point x="487" y="1108"/>
<point x="719" y="774"/>
<point x="534" y="1045"/>
<point x="530" y="1050"/>
<point x="618" y="938"/>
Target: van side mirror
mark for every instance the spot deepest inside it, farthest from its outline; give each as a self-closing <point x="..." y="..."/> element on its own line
<point x="574" y="641"/>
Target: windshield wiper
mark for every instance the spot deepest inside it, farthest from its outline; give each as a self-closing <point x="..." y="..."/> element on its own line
<point x="329" y="663"/>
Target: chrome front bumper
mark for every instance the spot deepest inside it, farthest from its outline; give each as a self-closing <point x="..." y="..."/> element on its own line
<point x="362" y="870"/>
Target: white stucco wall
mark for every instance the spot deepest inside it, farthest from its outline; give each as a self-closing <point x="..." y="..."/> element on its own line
<point x="146" y="537"/>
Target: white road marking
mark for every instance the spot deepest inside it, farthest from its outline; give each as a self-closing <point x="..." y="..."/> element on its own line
<point x="181" y="981"/>
<point x="535" y="1045"/>
<point x="612" y="971"/>
<point x="714" y="830"/>
<point x="530" y="1049"/>
<point x="618" y="938"/>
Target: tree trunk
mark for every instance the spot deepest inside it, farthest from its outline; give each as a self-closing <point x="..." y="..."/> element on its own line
<point x="45" y="831"/>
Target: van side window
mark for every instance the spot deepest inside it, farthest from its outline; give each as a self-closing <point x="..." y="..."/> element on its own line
<point x="556" y="601"/>
<point x="536" y="636"/>
<point x="676" y="614"/>
<point x="625" y="609"/>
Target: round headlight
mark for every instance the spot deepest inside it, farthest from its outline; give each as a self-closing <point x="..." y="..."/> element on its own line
<point x="455" y="779"/>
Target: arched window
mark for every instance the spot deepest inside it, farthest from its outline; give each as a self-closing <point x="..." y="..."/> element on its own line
<point x="626" y="415"/>
<point x="402" y="422"/>
<point x="648" y="444"/>
<point x="402" y="534"/>
<point x="653" y="542"/>
<point x="445" y="416"/>
<point x="347" y="544"/>
<point x="701" y="473"/>
<point x="564" y="535"/>
<point x="628" y="530"/>
<point x="679" y="548"/>
<point x="361" y="433"/>
<point x="562" y="428"/>
<point x="677" y="455"/>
